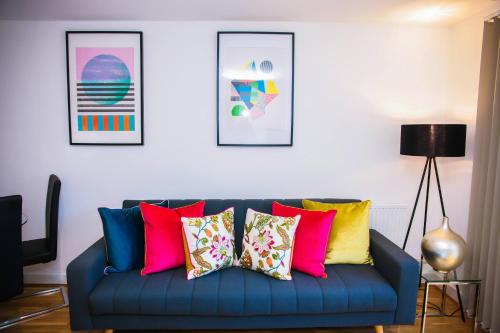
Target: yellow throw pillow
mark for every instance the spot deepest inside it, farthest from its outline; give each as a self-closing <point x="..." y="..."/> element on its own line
<point x="349" y="241"/>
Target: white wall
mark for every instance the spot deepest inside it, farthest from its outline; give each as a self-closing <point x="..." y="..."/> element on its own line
<point x="355" y="84"/>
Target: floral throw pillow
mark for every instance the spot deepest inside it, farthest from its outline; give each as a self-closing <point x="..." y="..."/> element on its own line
<point x="209" y="243"/>
<point x="268" y="244"/>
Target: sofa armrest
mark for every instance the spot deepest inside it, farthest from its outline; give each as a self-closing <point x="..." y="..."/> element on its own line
<point x="83" y="274"/>
<point x="401" y="270"/>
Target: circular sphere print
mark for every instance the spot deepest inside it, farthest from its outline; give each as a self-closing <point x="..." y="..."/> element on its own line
<point x="106" y="71"/>
<point x="266" y="66"/>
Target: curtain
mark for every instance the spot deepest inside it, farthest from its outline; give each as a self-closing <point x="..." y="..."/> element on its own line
<point x="483" y="238"/>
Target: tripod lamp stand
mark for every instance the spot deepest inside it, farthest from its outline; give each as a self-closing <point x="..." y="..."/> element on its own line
<point x="431" y="141"/>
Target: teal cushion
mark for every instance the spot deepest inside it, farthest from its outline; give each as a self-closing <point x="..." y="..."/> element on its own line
<point x="124" y="237"/>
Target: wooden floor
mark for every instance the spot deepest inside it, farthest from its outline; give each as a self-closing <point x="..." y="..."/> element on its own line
<point x="59" y="321"/>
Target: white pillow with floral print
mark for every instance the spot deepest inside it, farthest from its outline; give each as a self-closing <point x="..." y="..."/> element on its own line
<point x="209" y="243"/>
<point x="268" y="244"/>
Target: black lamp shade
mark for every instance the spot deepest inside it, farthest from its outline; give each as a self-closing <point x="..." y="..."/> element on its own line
<point x="433" y="140"/>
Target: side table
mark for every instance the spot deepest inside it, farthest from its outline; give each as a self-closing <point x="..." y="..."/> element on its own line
<point x="444" y="280"/>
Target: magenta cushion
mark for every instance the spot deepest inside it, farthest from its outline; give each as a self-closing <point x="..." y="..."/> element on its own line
<point x="163" y="235"/>
<point x="311" y="238"/>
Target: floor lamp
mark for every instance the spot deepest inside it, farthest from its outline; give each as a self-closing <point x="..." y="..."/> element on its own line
<point x="431" y="141"/>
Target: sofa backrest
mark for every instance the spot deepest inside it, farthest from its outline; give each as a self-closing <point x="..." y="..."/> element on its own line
<point x="215" y="206"/>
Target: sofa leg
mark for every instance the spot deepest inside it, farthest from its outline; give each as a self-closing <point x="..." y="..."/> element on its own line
<point x="379" y="329"/>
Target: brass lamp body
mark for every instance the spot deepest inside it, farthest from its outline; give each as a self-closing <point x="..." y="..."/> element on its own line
<point x="443" y="249"/>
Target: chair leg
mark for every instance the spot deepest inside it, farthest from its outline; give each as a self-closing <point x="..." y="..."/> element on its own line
<point x="33" y="315"/>
<point x="379" y="329"/>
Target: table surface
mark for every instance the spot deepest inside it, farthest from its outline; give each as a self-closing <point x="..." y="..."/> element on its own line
<point x="435" y="277"/>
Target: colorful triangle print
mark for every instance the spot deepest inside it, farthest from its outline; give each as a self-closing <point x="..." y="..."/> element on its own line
<point x="271" y="88"/>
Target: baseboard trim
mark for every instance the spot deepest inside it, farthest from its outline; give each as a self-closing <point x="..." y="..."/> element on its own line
<point x="48" y="278"/>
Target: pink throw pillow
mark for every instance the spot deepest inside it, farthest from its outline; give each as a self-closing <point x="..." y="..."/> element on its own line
<point x="163" y="235"/>
<point x="311" y="238"/>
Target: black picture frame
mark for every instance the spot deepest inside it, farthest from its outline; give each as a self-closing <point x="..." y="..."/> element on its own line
<point x="141" y="77"/>
<point x="292" y="35"/>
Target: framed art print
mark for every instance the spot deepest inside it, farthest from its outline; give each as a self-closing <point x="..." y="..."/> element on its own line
<point x="255" y="88"/>
<point x="105" y="102"/>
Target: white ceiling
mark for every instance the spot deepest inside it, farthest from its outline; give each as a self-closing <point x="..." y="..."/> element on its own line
<point x="432" y="11"/>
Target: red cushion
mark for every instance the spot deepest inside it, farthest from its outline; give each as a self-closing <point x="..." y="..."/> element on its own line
<point x="163" y="235"/>
<point x="311" y="238"/>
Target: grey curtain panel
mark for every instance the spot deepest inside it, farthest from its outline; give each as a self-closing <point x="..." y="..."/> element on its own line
<point x="483" y="259"/>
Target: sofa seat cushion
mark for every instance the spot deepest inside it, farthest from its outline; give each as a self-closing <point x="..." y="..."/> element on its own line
<point x="239" y="292"/>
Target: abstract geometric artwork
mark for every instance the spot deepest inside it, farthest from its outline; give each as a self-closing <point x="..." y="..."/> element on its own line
<point x="255" y="89"/>
<point x="253" y="95"/>
<point x="105" y="87"/>
<point x="105" y="81"/>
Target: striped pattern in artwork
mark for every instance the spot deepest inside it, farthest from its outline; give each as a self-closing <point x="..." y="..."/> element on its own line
<point x="105" y="97"/>
<point x="106" y="123"/>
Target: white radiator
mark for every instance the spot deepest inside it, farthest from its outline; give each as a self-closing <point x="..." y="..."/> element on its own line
<point x="391" y="221"/>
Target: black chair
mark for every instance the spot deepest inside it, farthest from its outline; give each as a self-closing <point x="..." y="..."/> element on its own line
<point x="11" y="277"/>
<point x="43" y="250"/>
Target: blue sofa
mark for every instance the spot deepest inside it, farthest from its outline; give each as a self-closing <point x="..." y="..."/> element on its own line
<point x="235" y="298"/>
